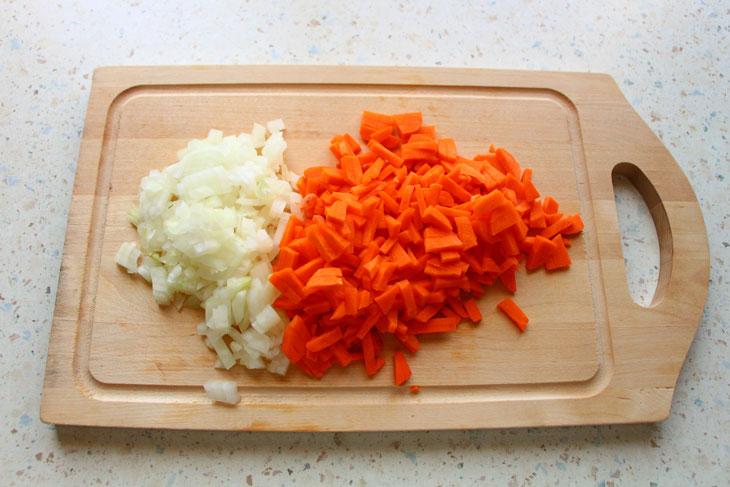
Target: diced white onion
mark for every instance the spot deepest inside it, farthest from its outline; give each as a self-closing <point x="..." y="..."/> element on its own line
<point x="225" y="391"/>
<point x="275" y="125"/>
<point x="283" y="221"/>
<point x="238" y="307"/>
<point x="266" y="320"/>
<point x="209" y="226"/>
<point x="277" y="208"/>
<point x="279" y="364"/>
<point x="258" y="136"/>
<point x="127" y="256"/>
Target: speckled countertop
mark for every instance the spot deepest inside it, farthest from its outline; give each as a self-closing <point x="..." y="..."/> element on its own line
<point x="672" y="61"/>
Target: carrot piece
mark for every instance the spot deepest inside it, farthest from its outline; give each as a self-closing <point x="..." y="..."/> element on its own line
<point x="336" y="212"/>
<point x="351" y="300"/>
<point x="324" y="278"/>
<point x="537" y="216"/>
<point x="437" y="240"/>
<point x="514" y="313"/>
<point x="472" y="310"/>
<point x="409" y="300"/>
<point x="429" y="311"/>
<point x="399" y="257"/>
<point x="450" y="256"/>
<point x="553" y="218"/>
<point x="372" y="121"/>
<point x="317" y="308"/>
<point x="422" y="145"/>
<point x="411" y="154"/>
<point x="391" y="142"/>
<point x="457" y="307"/>
<point x="465" y="231"/>
<point x="531" y="193"/>
<point x="402" y="370"/>
<point x="339" y="312"/>
<point x="365" y="158"/>
<point x="287" y="282"/>
<point x="516" y="186"/>
<point x="418" y="137"/>
<point x="352" y="169"/>
<point x="307" y="270"/>
<point x="453" y="188"/>
<point x="435" y="269"/>
<point x="540" y="253"/>
<point x="557" y="227"/>
<point x="550" y="205"/>
<point x="380" y="281"/>
<point x="485" y="205"/>
<point x="392" y="225"/>
<point x="368" y="324"/>
<point x="559" y="257"/>
<point x="433" y="216"/>
<point x="575" y="227"/>
<point x="502" y="218"/>
<point x="415" y="389"/>
<point x="329" y="244"/>
<point x="434" y="325"/>
<point x="381" y="135"/>
<point x="408" y="123"/>
<point x="432" y="175"/>
<point x="509" y="281"/>
<point x="373" y="170"/>
<point x="387" y="172"/>
<point x="385" y="153"/>
<point x="386" y="299"/>
<point x="368" y="351"/>
<point x="428" y="130"/>
<point x="324" y="340"/>
<point x="290" y="230"/>
<point x="282" y="302"/>
<point x="405" y="201"/>
<point x="354" y="146"/>
<point x="345" y="149"/>
<point x="287" y="258"/>
<point x="432" y="194"/>
<point x="447" y="149"/>
<point x="508" y="163"/>
<point x="389" y="204"/>
<point x="295" y="339"/>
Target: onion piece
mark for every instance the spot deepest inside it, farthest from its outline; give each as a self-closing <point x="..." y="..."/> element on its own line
<point x="225" y="391"/>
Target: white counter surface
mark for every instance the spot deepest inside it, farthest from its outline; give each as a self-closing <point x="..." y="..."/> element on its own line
<point x="671" y="60"/>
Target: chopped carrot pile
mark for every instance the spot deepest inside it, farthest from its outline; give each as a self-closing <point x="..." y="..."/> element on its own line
<point x="402" y="239"/>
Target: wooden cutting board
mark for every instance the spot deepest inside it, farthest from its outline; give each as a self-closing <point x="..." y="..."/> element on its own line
<point x="590" y="355"/>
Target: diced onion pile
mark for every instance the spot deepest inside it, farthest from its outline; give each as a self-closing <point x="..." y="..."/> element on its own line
<point x="209" y="227"/>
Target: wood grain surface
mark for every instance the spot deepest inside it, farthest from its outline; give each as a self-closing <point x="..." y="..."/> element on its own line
<point x="590" y="355"/>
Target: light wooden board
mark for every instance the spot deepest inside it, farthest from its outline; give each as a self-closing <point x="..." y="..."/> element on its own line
<point x="591" y="355"/>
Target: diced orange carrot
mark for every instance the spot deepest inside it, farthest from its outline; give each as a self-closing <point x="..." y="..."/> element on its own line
<point x="447" y="149"/>
<point x="550" y="205"/>
<point x="559" y="257"/>
<point x="402" y="239"/>
<point x="402" y="371"/>
<point x="514" y="313"/>
<point x="472" y="310"/>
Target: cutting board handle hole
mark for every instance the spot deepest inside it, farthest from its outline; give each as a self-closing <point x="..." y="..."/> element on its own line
<point x="646" y="238"/>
